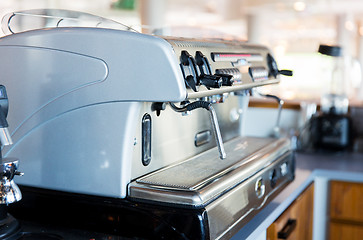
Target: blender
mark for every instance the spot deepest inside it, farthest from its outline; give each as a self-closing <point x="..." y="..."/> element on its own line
<point x="332" y="128"/>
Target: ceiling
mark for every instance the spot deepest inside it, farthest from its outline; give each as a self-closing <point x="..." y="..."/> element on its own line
<point x="299" y="24"/>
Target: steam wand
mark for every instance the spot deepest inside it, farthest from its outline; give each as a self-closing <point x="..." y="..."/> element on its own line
<point x="213" y="117"/>
<point x="276" y="130"/>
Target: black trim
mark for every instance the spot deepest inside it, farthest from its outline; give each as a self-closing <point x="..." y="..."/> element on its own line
<point x="120" y="217"/>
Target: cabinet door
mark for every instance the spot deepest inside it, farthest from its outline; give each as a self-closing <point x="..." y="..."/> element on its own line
<point x="346" y="210"/>
<point x="296" y="222"/>
<point x="341" y="231"/>
<point x="346" y="202"/>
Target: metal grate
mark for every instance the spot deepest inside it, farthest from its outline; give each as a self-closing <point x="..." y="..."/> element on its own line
<point x="206" y="167"/>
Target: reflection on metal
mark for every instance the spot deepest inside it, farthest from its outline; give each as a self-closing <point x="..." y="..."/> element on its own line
<point x="146" y="139"/>
<point x="202" y="138"/>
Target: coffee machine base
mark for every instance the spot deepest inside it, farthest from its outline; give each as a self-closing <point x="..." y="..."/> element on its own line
<point x="9" y="226"/>
<point x="76" y="216"/>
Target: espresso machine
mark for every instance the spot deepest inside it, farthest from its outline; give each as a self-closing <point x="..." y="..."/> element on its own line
<point x="137" y="135"/>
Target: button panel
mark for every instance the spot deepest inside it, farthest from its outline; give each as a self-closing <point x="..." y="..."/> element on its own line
<point x="208" y="73"/>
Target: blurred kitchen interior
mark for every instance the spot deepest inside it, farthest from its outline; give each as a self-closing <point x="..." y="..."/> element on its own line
<point x="292" y="29"/>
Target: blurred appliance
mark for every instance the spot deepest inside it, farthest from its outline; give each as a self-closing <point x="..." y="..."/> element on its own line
<point x="332" y="127"/>
<point x="134" y="134"/>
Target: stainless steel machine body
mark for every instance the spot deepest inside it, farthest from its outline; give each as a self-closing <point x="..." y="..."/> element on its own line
<point x="91" y="115"/>
<point x="80" y="95"/>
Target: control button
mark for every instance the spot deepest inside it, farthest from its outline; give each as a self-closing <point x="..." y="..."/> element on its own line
<point x="260" y="188"/>
<point x="234" y="72"/>
<point x="189" y="70"/>
<point x="202" y="63"/>
<point x="258" y="73"/>
<point x="185" y="58"/>
<point x="274" y="71"/>
<point x="158" y="107"/>
<point x="211" y="81"/>
<point x="284" y="169"/>
<point x="190" y="81"/>
<point x="227" y="79"/>
<point x="273" y="178"/>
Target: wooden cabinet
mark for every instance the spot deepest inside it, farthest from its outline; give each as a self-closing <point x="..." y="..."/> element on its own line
<point x="342" y="231"/>
<point x="296" y="222"/>
<point x="346" y="210"/>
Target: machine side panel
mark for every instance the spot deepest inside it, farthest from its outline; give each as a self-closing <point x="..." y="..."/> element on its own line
<point x="86" y="150"/>
<point x="38" y="80"/>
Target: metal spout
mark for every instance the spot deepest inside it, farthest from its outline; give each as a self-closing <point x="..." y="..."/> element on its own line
<point x="9" y="191"/>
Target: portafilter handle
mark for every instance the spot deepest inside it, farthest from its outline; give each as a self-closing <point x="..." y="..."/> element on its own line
<point x="9" y="191"/>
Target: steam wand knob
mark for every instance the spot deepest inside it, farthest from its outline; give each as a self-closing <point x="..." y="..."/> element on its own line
<point x="274" y="70"/>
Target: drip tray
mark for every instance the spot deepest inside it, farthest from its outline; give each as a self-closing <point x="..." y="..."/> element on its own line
<point x="204" y="178"/>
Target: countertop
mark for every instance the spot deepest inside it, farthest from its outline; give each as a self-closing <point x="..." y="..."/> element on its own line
<point x="309" y="168"/>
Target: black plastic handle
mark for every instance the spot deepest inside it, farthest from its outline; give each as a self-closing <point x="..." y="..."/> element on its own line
<point x="287" y="229"/>
<point x="286" y="72"/>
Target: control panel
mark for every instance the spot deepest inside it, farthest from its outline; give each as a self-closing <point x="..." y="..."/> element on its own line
<point x="216" y="66"/>
<point x="279" y="172"/>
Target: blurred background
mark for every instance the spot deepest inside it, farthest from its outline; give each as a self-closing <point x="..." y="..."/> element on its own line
<point x="292" y="29"/>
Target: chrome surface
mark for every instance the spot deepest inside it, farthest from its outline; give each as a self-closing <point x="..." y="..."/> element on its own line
<point x="229" y="57"/>
<point x="173" y="134"/>
<point x="120" y="86"/>
<point x="203" y="178"/>
<point x="202" y="138"/>
<point x="5" y="137"/>
<point x="213" y="119"/>
<point x="235" y="88"/>
<point x="9" y="191"/>
<point x="231" y="211"/>
<point x="217" y="132"/>
<point x="146" y="139"/>
<point x="260" y="187"/>
<point x="237" y="76"/>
